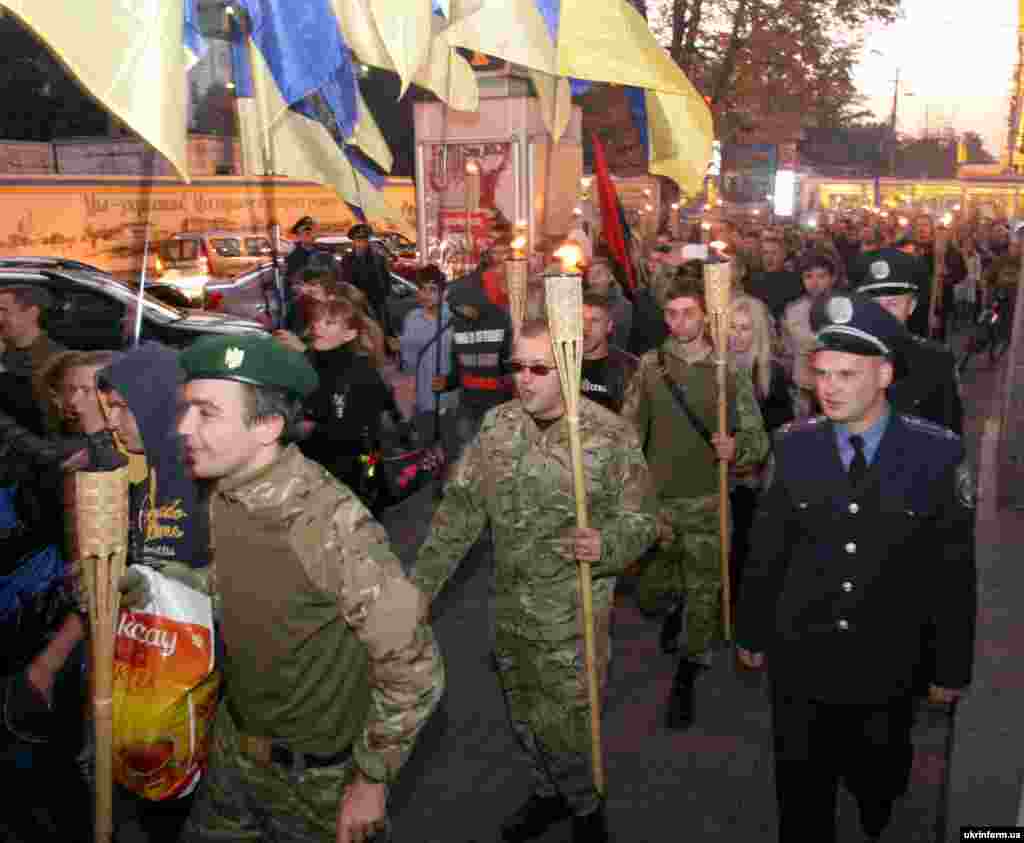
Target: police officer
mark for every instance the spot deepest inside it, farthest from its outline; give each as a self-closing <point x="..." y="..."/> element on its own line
<point x="863" y="541"/>
<point x="299" y="258"/>
<point x="513" y="476"/>
<point x="330" y="668"/>
<point x="930" y="387"/>
<point x="305" y="233"/>
<point x="907" y="267"/>
<point x="367" y="269"/>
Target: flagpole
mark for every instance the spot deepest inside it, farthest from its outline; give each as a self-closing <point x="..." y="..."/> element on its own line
<point x="238" y="32"/>
<point x="137" y="331"/>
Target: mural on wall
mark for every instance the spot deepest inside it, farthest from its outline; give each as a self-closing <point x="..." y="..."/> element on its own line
<point x="106" y="223"/>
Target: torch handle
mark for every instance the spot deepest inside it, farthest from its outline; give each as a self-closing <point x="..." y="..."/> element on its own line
<point x="723" y="499"/>
<point x="587" y="603"/>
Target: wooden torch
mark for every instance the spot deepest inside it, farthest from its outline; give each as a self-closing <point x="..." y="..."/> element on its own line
<point x="97" y="525"/>
<point x="718" y="296"/>
<point x="516" y="276"/>
<point x="564" y="303"/>
<point x="938" y="282"/>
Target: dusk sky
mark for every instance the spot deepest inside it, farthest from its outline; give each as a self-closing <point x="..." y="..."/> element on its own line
<point x="956" y="58"/>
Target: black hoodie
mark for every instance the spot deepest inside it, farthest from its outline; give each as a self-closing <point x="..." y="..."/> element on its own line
<point x="481" y="346"/>
<point x="168" y="517"/>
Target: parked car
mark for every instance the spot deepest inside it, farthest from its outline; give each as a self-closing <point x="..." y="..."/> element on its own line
<point x="215" y="254"/>
<point x="253" y="296"/>
<point x="89" y="306"/>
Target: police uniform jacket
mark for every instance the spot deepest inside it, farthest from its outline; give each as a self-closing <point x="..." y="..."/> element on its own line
<point x="930" y="390"/>
<point x="842" y="582"/>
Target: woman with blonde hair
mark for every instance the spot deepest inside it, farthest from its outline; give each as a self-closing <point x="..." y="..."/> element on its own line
<point x="752" y="348"/>
<point x="752" y="345"/>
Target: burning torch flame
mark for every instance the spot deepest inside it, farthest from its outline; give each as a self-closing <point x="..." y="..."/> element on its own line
<point x="570" y="255"/>
<point x="518" y="247"/>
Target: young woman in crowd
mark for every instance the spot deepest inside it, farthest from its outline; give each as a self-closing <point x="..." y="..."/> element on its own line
<point x="352" y="405"/>
<point x="751" y="344"/>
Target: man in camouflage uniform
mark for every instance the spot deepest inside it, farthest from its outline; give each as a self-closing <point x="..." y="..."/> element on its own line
<point x="683" y="455"/>
<point x="330" y="668"/>
<point x="517" y="475"/>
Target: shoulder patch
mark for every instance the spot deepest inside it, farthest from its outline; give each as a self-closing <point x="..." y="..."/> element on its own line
<point x="800" y="424"/>
<point x="925" y="426"/>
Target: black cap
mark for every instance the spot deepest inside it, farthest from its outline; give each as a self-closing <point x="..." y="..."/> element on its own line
<point x="305" y="222"/>
<point x="857" y="325"/>
<point x="889" y="277"/>
<point x="360" y="231"/>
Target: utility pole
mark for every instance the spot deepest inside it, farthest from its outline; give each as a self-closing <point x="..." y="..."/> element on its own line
<point x="892" y="123"/>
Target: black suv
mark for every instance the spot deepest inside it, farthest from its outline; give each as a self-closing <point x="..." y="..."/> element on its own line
<point x="89" y="306"/>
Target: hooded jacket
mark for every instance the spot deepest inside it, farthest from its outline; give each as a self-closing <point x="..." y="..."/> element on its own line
<point x="168" y="519"/>
<point x="481" y="345"/>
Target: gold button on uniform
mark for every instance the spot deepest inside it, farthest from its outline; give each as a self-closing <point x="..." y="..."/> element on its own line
<point x="847" y="586"/>
<point x="843" y="624"/>
<point x="851" y="547"/>
<point x="854" y="509"/>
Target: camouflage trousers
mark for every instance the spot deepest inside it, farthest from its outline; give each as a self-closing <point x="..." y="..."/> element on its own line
<point x="245" y="800"/>
<point x="687" y="569"/>
<point x="546" y="700"/>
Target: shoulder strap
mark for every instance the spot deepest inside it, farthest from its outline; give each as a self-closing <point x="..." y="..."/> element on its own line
<point x="679" y="394"/>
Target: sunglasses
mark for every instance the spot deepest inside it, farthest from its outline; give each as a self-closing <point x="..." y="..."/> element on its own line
<point x="540" y="370"/>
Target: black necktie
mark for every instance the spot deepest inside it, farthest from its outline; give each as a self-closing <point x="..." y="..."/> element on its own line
<point x="859" y="464"/>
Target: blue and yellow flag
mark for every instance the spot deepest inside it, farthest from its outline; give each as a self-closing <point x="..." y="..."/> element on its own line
<point x="606" y="41"/>
<point x="301" y="141"/>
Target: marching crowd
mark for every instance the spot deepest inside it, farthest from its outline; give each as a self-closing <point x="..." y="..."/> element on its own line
<point x="256" y="477"/>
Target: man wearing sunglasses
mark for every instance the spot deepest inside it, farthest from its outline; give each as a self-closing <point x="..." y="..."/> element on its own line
<point x="516" y="476"/>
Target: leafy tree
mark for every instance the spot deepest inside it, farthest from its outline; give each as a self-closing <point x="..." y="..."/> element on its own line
<point x="762" y="62"/>
<point x="41" y="101"/>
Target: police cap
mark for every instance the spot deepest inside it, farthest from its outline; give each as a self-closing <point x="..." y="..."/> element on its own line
<point x="361" y="231"/>
<point x="889" y="275"/>
<point x="305" y="222"/>
<point x="857" y="325"/>
<point x="257" y="359"/>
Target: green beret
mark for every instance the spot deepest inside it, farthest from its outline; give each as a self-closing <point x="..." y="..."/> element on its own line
<point x="250" y="358"/>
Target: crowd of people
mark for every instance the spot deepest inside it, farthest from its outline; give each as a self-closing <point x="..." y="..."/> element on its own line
<point x="842" y="443"/>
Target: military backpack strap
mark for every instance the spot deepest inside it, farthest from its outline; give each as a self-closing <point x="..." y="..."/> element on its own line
<point x="679" y="394"/>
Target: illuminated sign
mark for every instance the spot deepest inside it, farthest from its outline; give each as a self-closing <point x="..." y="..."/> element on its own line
<point x="784" y="197"/>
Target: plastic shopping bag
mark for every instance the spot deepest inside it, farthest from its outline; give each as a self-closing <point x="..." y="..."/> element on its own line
<point x="165" y="690"/>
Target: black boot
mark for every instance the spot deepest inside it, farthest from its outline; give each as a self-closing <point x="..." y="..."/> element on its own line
<point x="680" y="710"/>
<point x="875" y="816"/>
<point x="590" y="828"/>
<point x="671" y="628"/>
<point x="534" y="817"/>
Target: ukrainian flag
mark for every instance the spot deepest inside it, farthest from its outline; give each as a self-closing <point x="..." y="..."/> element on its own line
<point x="606" y="41"/>
<point x="305" y="140"/>
<point x="402" y="35"/>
